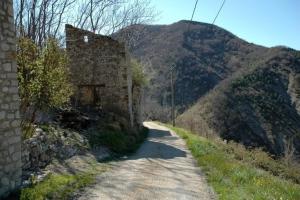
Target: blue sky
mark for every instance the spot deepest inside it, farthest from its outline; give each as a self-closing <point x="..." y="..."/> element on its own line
<point x="264" y="22"/>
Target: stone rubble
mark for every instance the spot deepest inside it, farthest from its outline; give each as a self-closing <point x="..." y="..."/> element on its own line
<point x="39" y="151"/>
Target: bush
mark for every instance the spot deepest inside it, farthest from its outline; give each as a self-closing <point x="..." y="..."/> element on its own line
<point x="118" y="141"/>
<point x="43" y="77"/>
<point x="138" y="76"/>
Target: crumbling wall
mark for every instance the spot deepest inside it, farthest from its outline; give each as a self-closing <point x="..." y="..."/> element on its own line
<point x="98" y="66"/>
<point x="10" y="139"/>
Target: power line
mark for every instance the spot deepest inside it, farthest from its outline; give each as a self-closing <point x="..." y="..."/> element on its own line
<point x="219" y="11"/>
<point x="196" y="3"/>
<point x="209" y="59"/>
<point x="194" y="10"/>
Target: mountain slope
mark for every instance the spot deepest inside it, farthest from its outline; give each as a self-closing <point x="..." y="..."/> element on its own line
<point x="254" y="108"/>
<point x="241" y="91"/>
<point x="204" y="55"/>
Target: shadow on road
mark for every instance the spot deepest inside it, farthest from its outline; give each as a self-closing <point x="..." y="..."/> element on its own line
<point x="157" y="146"/>
<point x="155" y="133"/>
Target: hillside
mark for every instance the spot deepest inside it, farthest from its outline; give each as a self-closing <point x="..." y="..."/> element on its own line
<point x="224" y="85"/>
<point x="204" y="55"/>
<point x="256" y="108"/>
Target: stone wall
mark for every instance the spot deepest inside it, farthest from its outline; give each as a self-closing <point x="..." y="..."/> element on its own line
<point x="10" y="139"/>
<point x="98" y="66"/>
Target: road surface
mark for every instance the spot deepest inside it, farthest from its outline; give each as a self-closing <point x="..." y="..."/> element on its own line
<point x="162" y="169"/>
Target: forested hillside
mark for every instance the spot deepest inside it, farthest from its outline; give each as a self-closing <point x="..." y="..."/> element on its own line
<point x="239" y="90"/>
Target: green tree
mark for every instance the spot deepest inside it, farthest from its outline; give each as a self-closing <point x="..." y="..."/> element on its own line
<point x="43" y="79"/>
<point x="138" y="76"/>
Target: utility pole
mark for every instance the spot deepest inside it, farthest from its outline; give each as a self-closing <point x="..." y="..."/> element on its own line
<point x="172" y="94"/>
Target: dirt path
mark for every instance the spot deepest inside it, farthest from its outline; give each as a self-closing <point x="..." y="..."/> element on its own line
<point x="162" y="168"/>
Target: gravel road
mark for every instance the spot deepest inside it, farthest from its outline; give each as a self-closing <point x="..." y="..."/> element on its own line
<point x="163" y="168"/>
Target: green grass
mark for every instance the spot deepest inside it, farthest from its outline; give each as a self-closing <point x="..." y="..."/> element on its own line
<point x="57" y="186"/>
<point x="234" y="178"/>
<point x="63" y="185"/>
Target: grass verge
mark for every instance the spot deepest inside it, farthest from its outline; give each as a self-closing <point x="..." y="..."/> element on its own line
<point x="233" y="178"/>
<point x="57" y="186"/>
<point x="71" y="175"/>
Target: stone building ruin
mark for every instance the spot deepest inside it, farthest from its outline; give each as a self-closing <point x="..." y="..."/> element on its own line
<point x="10" y="138"/>
<point x="100" y="70"/>
<point x="101" y="73"/>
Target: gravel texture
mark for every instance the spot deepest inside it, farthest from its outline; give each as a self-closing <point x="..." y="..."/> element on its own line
<point x="163" y="168"/>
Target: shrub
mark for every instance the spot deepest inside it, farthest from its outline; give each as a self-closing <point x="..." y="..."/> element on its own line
<point x="118" y="141"/>
<point x="43" y="78"/>
<point x="138" y="76"/>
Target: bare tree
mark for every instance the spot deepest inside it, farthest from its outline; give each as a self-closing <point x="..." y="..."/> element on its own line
<point x="109" y="16"/>
<point x="40" y="19"/>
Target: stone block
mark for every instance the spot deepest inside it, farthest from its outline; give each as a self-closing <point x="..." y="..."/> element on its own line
<point x="15" y="123"/>
<point x="4" y="47"/>
<point x="14" y="83"/>
<point x="11" y="149"/>
<point x="5" y="89"/>
<point x="14" y="140"/>
<point x="16" y="156"/>
<point x="10" y="116"/>
<point x="4" y="125"/>
<point x="7" y="67"/>
<point x="2" y="115"/>
<point x="13" y="90"/>
<point x="4" y="106"/>
<point x="12" y="75"/>
<point x="5" y="181"/>
<point x="15" y="97"/>
<point x="7" y="134"/>
<point x="8" y="168"/>
<point x="14" y="106"/>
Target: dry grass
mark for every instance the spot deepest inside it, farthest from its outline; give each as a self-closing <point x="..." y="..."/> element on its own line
<point x="287" y="167"/>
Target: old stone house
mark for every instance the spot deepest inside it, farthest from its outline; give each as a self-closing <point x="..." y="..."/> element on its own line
<point x="10" y="138"/>
<point x="101" y="73"/>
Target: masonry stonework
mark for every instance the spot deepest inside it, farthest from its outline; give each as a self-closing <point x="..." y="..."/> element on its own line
<point x="10" y="138"/>
<point x="100" y="71"/>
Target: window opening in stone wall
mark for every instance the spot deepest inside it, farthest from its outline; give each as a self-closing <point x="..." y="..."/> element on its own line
<point x="86" y="39"/>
